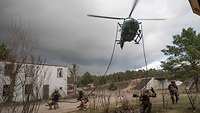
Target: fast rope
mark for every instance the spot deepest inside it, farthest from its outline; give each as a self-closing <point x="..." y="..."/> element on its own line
<point x="114" y="46"/>
<point x="113" y="51"/>
<point x="110" y="61"/>
<point x="144" y="52"/>
<point x="111" y="58"/>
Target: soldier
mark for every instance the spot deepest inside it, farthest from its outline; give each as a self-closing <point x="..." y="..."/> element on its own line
<point x="146" y="105"/>
<point x="83" y="99"/>
<point x="54" y="100"/>
<point x="173" y="90"/>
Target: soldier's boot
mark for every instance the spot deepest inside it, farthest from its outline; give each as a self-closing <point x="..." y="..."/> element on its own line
<point x="50" y="106"/>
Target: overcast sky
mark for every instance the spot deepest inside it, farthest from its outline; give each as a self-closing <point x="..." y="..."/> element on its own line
<point x="66" y="35"/>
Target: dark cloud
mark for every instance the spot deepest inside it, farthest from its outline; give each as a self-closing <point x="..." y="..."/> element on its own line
<point x="66" y="35"/>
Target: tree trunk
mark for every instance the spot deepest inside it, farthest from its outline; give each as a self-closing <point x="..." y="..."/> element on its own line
<point x="196" y="81"/>
<point x="12" y="76"/>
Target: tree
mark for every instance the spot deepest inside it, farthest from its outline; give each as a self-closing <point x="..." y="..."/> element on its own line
<point x="184" y="54"/>
<point x="73" y="70"/>
<point x="3" y="52"/>
<point x="86" y="79"/>
<point x="21" y="73"/>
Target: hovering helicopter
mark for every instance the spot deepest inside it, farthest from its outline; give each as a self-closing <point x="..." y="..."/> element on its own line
<point x="131" y="29"/>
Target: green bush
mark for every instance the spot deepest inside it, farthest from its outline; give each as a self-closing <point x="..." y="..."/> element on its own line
<point x="112" y="87"/>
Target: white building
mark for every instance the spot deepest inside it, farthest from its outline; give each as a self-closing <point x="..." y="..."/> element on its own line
<point x="156" y="83"/>
<point x="42" y="79"/>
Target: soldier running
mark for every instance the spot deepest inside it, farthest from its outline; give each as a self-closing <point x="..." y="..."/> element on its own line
<point x="173" y="90"/>
<point x="146" y="105"/>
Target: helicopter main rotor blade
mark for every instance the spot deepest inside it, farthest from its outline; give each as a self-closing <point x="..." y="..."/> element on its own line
<point x="106" y="17"/>
<point x="152" y="19"/>
<point x="134" y="5"/>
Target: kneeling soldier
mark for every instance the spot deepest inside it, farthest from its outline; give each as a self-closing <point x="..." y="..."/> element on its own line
<point x="83" y="99"/>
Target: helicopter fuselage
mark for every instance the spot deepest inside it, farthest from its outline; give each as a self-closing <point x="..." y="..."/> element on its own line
<point x="129" y="29"/>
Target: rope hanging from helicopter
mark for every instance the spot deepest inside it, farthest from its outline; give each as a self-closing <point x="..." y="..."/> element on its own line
<point x="112" y="56"/>
<point x="114" y="46"/>
<point x="108" y="67"/>
<point x="113" y="52"/>
<point x="144" y="52"/>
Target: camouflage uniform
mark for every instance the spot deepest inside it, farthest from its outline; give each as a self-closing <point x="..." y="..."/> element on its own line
<point x="83" y="99"/>
<point x="146" y="105"/>
<point x="173" y="90"/>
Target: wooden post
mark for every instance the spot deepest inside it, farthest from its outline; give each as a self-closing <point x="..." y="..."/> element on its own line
<point x="163" y="96"/>
<point x="75" y="78"/>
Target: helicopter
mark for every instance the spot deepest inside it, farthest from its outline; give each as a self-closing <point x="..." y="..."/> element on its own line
<point x="131" y="28"/>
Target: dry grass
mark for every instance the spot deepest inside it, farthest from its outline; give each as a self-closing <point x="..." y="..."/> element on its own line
<point x="182" y="107"/>
<point x="133" y="104"/>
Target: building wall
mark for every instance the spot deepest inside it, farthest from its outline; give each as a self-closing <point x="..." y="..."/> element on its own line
<point x="48" y="75"/>
<point x="54" y="81"/>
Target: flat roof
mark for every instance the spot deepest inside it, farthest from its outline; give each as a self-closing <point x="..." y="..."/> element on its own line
<point x="57" y="65"/>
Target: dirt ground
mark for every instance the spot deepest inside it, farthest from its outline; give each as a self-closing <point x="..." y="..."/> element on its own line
<point x="69" y="106"/>
<point x="64" y="107"/>
<point x="157" y="105"/>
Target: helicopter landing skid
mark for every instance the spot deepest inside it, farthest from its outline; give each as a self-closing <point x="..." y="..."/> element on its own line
<point x="139" y="35"/>
<point x="120" y="42"/>
<point x="118" y="30"/>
